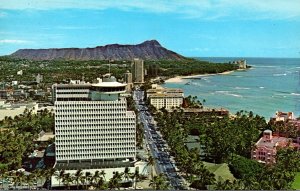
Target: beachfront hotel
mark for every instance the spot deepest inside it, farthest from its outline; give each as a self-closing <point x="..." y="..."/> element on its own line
<point x="165" y="98"/>
<point x="282" y="117"/>
<point x="93" y="129"/>
<point x="267" y="146"/>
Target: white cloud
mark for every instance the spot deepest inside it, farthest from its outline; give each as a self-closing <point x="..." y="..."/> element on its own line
<point x="204" y="9"/>
<point x="13" y="41"/>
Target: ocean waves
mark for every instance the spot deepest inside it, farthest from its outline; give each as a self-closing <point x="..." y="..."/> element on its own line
<point x="284" y="74"/>
<point x="229" y="93"/>
<point x="241" y="88"/>
<point x="271" y="84"/>
<point x="295" y="94"/>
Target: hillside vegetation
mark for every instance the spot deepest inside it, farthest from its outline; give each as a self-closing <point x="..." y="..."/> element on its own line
<point x="61" y="70"/>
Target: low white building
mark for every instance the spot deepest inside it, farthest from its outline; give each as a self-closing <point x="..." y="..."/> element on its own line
<point x="167" y="101"/>
<point x="109" y="168"/>
<point x="12" y="110"/>
<point x="165" y="97"/>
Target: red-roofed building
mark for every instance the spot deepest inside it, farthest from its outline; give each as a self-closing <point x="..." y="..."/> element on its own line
<point x="266" y="148"/>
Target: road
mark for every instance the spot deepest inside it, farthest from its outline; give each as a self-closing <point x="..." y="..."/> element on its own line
<point x="156" y="145"/>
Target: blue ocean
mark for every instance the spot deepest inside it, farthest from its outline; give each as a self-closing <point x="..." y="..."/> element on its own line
<point x="272" y="84"/>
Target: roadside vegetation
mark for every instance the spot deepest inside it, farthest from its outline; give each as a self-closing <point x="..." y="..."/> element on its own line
<point x="17" y="136"/>
<point x="225" y="140"/>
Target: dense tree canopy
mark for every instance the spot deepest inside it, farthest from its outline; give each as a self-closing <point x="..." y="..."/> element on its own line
<point x="60" y="70"/>
<point x="229" y="140"/>
<point x="17" y="135"/>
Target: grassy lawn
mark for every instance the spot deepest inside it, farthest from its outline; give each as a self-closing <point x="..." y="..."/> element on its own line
<point x="296" y="184"/>
<point x="220" y="170"/>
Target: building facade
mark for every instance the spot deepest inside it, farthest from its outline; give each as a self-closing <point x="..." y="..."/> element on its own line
<point x="282" y="117"/>
<point x="167" y="98"/>
<point x="92" y="123"/>
<point x="137" y="68"/>
<point x="267" y="146"/>
<point x="128" y="81"/>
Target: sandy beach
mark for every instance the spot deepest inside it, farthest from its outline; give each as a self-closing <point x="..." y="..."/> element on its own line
<point x="181" y="78"/>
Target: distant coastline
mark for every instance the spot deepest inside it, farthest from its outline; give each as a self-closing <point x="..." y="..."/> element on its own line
<point x="178" y="79"/>
<point x="255" y="89"/>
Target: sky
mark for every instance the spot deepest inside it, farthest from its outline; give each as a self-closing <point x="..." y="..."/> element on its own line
<point x="193" y="28"/>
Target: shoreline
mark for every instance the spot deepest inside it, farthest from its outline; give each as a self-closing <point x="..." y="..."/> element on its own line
<point x="181" y="78"/>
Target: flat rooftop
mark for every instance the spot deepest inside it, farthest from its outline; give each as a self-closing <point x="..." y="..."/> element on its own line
<point x="165" y="95"/>
<point x="167" y="90"/>
<point x="274" y="142"/>
<point x="92" y="165"/>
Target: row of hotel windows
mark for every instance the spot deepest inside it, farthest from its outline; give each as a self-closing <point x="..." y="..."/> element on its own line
<point x="96" y="143"/>
<point x="84" y="89"/>
<point x="107" y="116"/>
<point x="95" y="127"/>
<point x="108" y="140"/>
<point x="90" y="104"/>
<point x="104" y="116"/>
<point x="110" y="121"/>
<point x="89" y="107"/>
<point x="124" y="119"/>
<point x="99" y="115"/>
<point x="158" y="101"/>
<point x="94" y="122"/>
<point x="102" y="110"/>
<point x="71" y="88"/>
<point x="169" y="104"/>
<point x="88" y="110"/>
<point x="80" y="145"/>
<point x="98" y="146"/>
<point x="105" y="135"/>
<point x="93" y="150"/>
<point x="96" y="155"/>
<point x="95" y="131"/>
<point x="106" y="108"/>
<point x="73" y="92"/>
<point x="87" y="144"/>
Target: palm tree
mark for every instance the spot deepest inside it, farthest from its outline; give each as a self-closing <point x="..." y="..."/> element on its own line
<point x="102" y="173"/>
<point x="114" y="182"/>
<point x="95" y="178"/>
<point x="101" y="184"/>
<point x="67" y="180"/>
<point x="204" y="177"/>
<point x="77" y="177"/>
<point x="87" y="180"/>
<point x="136" y="177"/>
<point x="150" y="164"/>
<point x="159" y="182"/>
<point x="59" y="176"/>
<point x="126" y="174"/>
<point x="48" y="174"/>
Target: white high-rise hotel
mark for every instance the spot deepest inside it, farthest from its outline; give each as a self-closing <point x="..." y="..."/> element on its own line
<point x="92" y="123"/>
